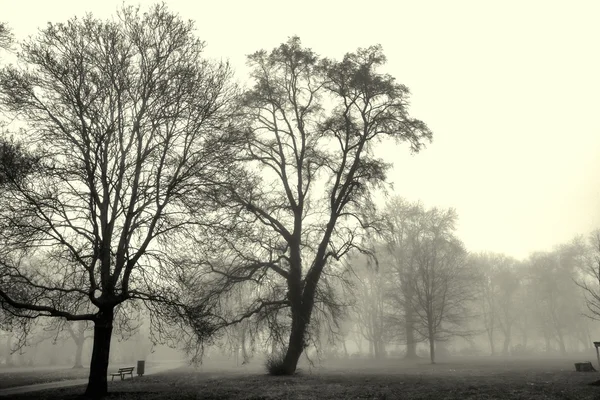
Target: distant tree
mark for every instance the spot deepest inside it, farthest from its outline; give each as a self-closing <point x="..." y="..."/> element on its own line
<point x="484" y="263"/>
<point x="80" y="332"/>
<point x="508" y="286"/>
<point x="590" y="276"/>
<point x="401" y="218"/>
<point x="311" y="125"/>
<point x="130" y="123"/>
<point x="559" y="303"/>
<point x="443" y="283"/>
<point x="369" y="304"/>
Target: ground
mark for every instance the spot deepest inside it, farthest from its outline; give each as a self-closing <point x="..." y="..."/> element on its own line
<point x="12" y="377"/>
<point x="484" y="378"/>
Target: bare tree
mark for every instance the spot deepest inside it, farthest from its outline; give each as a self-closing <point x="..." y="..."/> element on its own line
<point x="443" y="282"/>
<point x="590" y="280"/>
<point x="369" y="306"/>
<point x="130" y="123"/>
<point x="311" y="125"/>
<point x="401" y="219"/>
<point x="487" y="294"/>
<point x="558" y="301"/>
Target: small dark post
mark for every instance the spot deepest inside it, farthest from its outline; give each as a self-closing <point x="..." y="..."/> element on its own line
<point x="596" y="345"/>
<point x="141" y="364"/>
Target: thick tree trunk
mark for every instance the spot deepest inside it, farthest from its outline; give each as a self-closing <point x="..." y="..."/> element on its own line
<point x="97" y="384"/>
<point x="296" y="344"/>
<point x="78" y="353"/>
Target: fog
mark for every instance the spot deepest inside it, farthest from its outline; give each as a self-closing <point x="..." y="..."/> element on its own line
<point x="255" y="217"/>
<point x="509" y="91"/>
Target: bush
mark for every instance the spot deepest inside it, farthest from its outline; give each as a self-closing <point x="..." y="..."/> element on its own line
<point x="275" y="365"/>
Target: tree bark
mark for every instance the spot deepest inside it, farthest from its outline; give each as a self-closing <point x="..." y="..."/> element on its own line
<point x="296" y="343"/>
<point x="78" y="353"/>
<point x="103" y="325"/>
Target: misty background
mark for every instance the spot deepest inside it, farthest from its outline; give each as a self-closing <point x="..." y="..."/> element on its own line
<point x="509" y="89"/>
<point x="510" y="93"/>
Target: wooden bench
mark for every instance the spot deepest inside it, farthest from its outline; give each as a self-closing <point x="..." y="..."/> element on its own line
<point x="122" y="372"/>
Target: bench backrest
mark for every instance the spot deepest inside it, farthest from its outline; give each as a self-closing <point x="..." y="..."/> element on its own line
<point x="126" y="369"/>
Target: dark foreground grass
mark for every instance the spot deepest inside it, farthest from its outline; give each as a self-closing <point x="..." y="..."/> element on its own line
<point x="491" y="379"/>
<point x="10" y="378"/>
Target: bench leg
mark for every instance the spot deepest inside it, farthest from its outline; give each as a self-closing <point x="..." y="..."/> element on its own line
<point x="112" y="378"/>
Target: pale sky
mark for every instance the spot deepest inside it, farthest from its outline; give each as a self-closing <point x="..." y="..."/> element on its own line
<point x="510" y="89"/>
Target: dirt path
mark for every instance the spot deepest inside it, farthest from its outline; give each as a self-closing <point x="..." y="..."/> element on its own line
<point x="150" y="370"/>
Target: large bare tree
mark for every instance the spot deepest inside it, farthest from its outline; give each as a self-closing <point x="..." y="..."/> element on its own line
<point x="311" y="129"/>
<point x="129" y="122"/>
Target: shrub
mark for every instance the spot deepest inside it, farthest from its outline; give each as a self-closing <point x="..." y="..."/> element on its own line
<point x="275" y="365"/>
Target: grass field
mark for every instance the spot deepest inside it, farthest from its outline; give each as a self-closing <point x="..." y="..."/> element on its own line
<point x="13" y="377"/>
<point x="10" y="378"/>
<point x="362" y="379"/>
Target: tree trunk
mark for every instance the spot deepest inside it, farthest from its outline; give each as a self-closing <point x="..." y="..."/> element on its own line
<point x="432" y="350"/>
<point x="9" y="353"/>
<point x="505" y="347"/>
<point x="491" y="340"/>
<point x="245" y="357"/>
<point x="547" y="341"/>
<point x="97" y="384"/>
<point x="561" y="343"/>
<point x="411" y="343"/>
<point x="78" y="353"/>
<point x="296" y="343"/>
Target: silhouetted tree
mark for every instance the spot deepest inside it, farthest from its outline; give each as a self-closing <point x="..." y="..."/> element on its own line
<point x="130" y="123"/>
<point x="311" y="125"/>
